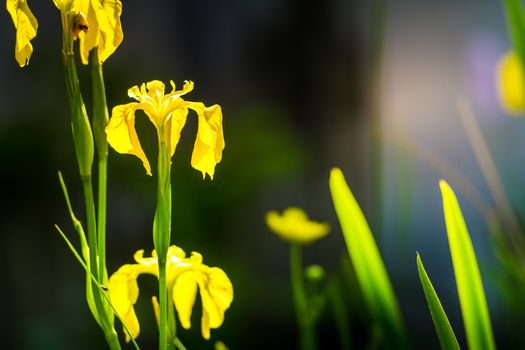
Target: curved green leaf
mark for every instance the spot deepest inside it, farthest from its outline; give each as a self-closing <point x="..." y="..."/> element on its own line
<point x="370" y="270"/>
<point x="468" y="280"/>
<point x="516" y="25"/>
<point x="447" y="338"/>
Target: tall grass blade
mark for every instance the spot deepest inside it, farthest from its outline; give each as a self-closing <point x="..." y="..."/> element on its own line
<point x="370" y="270"/>
<point x="468" y="279"/>
<point x="516" y="26"/>
<point x="447" y="338"/>
<point x="102" y="289"/>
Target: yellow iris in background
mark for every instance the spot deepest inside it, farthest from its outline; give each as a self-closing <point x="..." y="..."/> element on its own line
<point x="183" y="277"/>
<point x="295" y="227"/>
<point x="26" y="27"/>
<point x="511" y="84"/>
<point x="104" y="29"/>
<point x="168" y="114"/>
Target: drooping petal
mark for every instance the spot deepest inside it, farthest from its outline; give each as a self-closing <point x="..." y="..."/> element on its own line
<point x="122" y="135"/>
<point x="90" y="39"/>
<point x="184" y="293"/>
<point x="123" y="292"/>
<point x="174" y="127"/>
<point x="26" y="28"/>
<point x="294" y="226"/>
<point x="216" y="292"/>
<point x="111" y="35"/>
<point x="209" y="143"/>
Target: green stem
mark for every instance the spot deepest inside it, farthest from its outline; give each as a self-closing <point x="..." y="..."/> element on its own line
<point x="91" y="223"/>
<point x="105" y="321"/>
<point x="162" y="234"/>
<point x="101" y="219"/>
<point x="306" y="330"/>
<point x="163" y="303"/>
<point x="112" y="340"/>
<point x="100" y="120"/>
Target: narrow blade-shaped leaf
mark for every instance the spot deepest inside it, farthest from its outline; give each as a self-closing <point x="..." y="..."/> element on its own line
<point x="468" y="279"/>
<point x="447" y="338"/>
<point x="516" y="25"/>
<point x="370" y="270"/>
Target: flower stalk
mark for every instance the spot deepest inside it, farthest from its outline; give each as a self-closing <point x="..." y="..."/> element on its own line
<point x="307" y="338"/>
<point x="100" y="121"/>
<point x="84" y="150"/>
<point x="162" y="234"/>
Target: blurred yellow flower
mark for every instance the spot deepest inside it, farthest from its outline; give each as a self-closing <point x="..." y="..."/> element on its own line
<point x="26" y="27"/>
<point x="293" y="226"/>
<point x="102" y="27"/>
<point x="511" y="84"/>
<point x="184" y="275"/>
<point x="168" y="114"/>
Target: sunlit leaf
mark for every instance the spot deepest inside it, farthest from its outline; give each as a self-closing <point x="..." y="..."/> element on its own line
<point x="468" y="279"/>
<point x="446" y="335"/>
<point x="370" y="270"/>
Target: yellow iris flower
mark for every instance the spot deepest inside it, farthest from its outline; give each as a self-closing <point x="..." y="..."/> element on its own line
<point x="168" y="114"/>
<point x="184" y="275"/>
<point x="26" y="27"/>
<point x="511" y="84"/>
<point x="102" y="19"/>
<point x="295" y="227"/>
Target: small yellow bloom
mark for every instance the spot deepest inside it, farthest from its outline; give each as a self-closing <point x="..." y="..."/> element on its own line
<point x="294" y="226"/>
<point x="184" y="275"/>
<point x="511" y="84"/>
<point x="102" y="22"/>
<point x="26" y="27"/>
<point x="168" y="114"/>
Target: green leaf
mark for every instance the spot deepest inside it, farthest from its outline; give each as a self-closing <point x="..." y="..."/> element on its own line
<point x="468" y="279"/>
<point x="370" y="270"/>
<point x="516" y="26"/>
<point x="102" y="289"/>
<point x="446" y="335"/>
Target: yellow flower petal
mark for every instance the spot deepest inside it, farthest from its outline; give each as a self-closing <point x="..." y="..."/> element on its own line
<point x="216" y="292"/>
<point x="511" y="84"/>
<point x="108" y="15"/>
<point x="156" y="308"/>
<point x="209" y="144"/>
<point x="122" y="135"/>
<point x="26" y="29"/>
<point x="294" y="226"/>
<point x="123" y="292"/>
<point x="168" y="113"/>
<point x="184" y="276"/>
<point x="174" y="127"/>
<point x="90" y="39"/>
<point x="105" y="28"/>
<point x="184" y="293"/>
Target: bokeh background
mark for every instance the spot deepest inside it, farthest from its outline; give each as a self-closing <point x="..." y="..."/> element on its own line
<point x="304" y="86"/>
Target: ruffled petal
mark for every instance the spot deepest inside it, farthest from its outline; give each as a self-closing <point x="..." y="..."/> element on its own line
<point x="176" y="94"/>
<point x="26" y="28"/>
<point x="122" y="135"/>
<point x="111" y="35"/>
<point x="209" y="143"/>
<point x="216" y="292"/>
